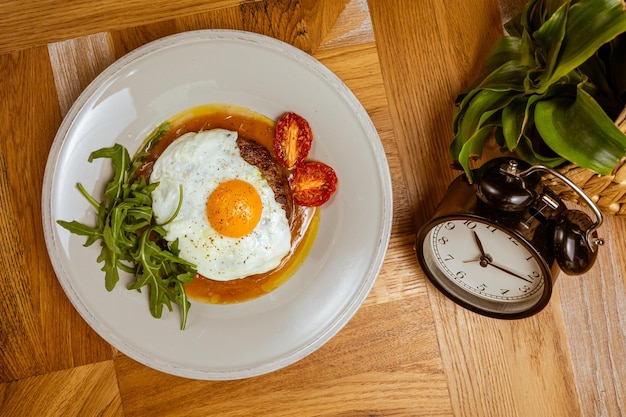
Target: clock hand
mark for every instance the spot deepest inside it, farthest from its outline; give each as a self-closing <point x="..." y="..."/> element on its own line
<point x="509" y="272"/>
<point x="485" y="259"/>
<point x="479" y="244"/>
<point x="472" y="260"/>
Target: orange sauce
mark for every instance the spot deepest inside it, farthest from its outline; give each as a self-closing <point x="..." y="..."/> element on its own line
<point x="227" y="292"/>
<point x="305" y="220"/>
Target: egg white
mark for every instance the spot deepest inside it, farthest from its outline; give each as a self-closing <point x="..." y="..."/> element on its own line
<point x="200" y="162"/>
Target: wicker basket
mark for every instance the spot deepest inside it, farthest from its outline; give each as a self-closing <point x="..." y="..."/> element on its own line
<point x="607" y="191"/>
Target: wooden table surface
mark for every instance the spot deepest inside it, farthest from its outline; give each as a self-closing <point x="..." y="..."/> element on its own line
<point x="408" y="351"/>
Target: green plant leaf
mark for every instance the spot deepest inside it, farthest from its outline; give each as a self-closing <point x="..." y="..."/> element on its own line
<point x="551" y="88"/>
<point x="595" y="78"/>
<point x="525" y="150"/>
<point x="82" y="230"/>
<point x="513" y="122"/>
<point x="509" y="77"/>
<point x="505" y="50"/>
<point x="548" y="38"/>
<point x="476" y="110"/>
<point x="473" y="148"/>
<point x="536" y="12"/>
<point x="604" y="19"/>
<point x="581" y="132"/>
<point x="483" y="105"/>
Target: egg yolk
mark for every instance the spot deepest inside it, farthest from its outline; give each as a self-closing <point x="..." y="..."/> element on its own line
<point x="234" y="208"/>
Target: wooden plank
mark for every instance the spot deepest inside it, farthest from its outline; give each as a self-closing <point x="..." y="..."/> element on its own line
<point x="89" y="390"/>
<point x="526" y="360"/>
<point x="518" y="368"/>
<point x="353" y="383"/>
<point x="320" y="16"/>
<point x="594" y="311"/>
<point x="303" y="24"/>
<point x="353" y="27"/>
<point x="76" y="62"/>
<point x="40" y="329"/>
<point x="423" y="74"/>
<point x="21" y="23"/>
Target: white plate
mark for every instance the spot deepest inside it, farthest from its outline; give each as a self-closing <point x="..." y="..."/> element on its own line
<point x="155" y="82"/>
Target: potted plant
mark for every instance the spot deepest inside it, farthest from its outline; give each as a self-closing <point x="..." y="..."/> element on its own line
<point x="552" y="91"/>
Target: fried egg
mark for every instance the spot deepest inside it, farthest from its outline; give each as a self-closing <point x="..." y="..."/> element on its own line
<point x="229" y="224"/>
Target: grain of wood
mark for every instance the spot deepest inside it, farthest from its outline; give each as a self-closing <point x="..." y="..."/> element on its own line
<point x="353" y="27"/>
<point x="594" y="310"/>
<point x="302" y="24"/>
<point x="365" y="78"/>
<point x="428" y="71"/>
<point x="89" y="390"/>
<point x="353" y="382"/>
<point x="527" y="360"/>
<point x="22" y="21"/>
<point x="19" y="324"/>
<point x="76" y="62"/>
<point x="41" y="331"/>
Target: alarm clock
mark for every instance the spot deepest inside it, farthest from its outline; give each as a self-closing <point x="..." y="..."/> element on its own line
<point x="497" y="245"/>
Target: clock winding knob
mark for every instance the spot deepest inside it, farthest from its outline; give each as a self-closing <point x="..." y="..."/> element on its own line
<point x="499" y="185"/>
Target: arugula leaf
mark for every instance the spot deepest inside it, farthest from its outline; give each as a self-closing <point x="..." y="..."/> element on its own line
<point x="156" y="135"/>
<point x="111" y="273"/>
<point x="130" y="237"/>
<point x="121" y="161"/>
<point x="77" y="228"/>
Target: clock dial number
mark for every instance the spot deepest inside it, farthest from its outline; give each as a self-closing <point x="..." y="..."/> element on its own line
<point x="474" y="258"/>
<point x="470" y="224"/>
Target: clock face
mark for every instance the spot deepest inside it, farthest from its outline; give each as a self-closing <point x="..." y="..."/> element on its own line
<point x="485" y="266"/>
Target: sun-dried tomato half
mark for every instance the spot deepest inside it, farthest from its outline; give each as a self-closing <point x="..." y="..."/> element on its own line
<point x="313" y="183"/>
<point x="292" y="141"/>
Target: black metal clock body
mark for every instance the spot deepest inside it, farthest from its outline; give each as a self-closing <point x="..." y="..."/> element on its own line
<point x="496" y="246"/>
